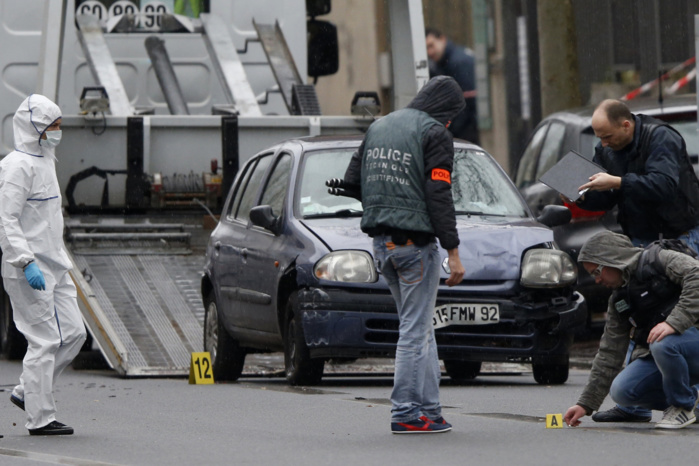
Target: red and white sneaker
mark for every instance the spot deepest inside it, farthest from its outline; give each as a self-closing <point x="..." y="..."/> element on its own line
<point x="423" y="425"/>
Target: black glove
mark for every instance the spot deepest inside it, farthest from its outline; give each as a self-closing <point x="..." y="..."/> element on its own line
<point x="335" y="183"/>
<point x="338" y="187"/>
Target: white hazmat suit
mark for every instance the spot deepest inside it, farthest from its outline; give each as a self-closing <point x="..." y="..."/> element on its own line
<point x="31" y="230"/>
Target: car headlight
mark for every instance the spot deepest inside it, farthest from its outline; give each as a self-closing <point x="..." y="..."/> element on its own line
<point x="548" y="268"/>
<point x="346" y="266"/>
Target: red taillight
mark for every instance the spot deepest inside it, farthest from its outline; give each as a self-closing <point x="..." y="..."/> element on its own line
<point x="577" y="212"/>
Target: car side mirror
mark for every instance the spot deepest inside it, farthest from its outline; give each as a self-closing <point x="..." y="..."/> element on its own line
<point x="262" y="216"/>
<point x="554" y="215"/>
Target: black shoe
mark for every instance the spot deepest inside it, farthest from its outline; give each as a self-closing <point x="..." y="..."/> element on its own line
<point x="53" y="428"/>
<point x="17" y="402"/>
<point x="617" y="414"/>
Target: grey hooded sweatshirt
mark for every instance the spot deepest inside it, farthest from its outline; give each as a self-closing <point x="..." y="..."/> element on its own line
<point x="442" y="100"/>
<point x="615" y="250"/>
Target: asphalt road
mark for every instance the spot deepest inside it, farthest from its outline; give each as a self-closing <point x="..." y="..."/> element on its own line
<point x="498" y="420"/>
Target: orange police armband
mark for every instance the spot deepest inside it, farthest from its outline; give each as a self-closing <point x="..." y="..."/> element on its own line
<point x="440" y="174"/>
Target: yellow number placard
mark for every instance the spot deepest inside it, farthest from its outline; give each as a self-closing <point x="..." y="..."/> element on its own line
<point x="200" y="370"/>
<point x="554" y="421"/>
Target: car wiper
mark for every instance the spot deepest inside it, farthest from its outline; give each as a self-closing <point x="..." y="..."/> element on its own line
<point x="474" y="213"/>
<point x="339" y="213"/>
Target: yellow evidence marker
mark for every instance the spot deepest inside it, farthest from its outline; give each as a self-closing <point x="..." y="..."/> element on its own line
<point x="200" y="371"/>
<point x="554" y="421"/>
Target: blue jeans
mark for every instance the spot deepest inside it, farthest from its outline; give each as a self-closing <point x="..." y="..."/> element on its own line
<point x="412" y="274"/>
<point x="692" y="240"/>
<point x="663" y="379"/>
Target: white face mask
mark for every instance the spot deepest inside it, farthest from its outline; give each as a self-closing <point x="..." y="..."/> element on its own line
<point x="53" y="138"/>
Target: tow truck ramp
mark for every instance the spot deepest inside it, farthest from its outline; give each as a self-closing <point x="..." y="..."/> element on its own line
<point x="138" y="291"/>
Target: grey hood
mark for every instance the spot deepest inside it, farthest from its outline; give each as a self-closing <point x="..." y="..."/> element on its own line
<point x="441" y="98"/>
<point x="611" y="250"/>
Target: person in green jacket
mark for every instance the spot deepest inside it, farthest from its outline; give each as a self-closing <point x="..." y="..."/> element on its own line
<point x="655" y="303"/>
<point x="402" y="174"/>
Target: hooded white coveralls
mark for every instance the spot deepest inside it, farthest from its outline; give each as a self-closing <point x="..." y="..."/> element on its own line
<point x="31" y="229"/>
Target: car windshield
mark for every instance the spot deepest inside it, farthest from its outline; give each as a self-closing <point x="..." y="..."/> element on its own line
<point x="479" y="187"/>
<point x="314" y="199"/>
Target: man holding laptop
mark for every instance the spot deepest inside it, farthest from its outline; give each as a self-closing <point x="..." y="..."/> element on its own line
<point x="651" y="180"/>
<point x="649" y="176"/>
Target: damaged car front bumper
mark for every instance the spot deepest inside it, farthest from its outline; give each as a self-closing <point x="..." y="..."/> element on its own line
<point x="353" y="324"/>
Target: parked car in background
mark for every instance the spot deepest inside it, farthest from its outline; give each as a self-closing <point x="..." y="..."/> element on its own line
<point x="568" y="130"/>
<point x="288" y="269"/>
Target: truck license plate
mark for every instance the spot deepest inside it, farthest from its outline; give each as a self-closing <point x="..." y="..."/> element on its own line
<point x="466" y="314"/>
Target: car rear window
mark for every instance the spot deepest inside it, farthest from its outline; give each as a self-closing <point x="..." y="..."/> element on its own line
<point x="526" y="172"/>
<point x="688" y="130"/>
<point x="551" y="149"/>
<point x="588" y="142"/>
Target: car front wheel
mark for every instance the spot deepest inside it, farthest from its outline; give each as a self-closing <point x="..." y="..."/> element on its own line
<point x="300" y="368"/>
<point x="462" y="372"/>
<point x="227" y="357"/>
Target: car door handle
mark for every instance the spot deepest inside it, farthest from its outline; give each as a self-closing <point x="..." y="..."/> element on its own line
<point x="244" y="253"/>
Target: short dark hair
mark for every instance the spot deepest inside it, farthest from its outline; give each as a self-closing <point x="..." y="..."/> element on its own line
<point x="616" y="111"/>
<point x="433" y="31"/>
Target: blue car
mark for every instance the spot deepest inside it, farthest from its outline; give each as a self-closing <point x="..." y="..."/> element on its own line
<point x="288" y="269"/>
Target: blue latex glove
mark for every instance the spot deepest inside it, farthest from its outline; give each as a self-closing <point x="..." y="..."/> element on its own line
<point x="35" y="277"/>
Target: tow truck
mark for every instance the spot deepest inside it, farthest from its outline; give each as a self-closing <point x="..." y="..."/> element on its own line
<point x="159" y="111"/>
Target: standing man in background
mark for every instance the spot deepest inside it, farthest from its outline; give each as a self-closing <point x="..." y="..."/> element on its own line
<point x="35" y="264"/>
<point x="448" y="59"/>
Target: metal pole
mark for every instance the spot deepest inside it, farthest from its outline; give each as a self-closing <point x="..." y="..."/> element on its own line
<point x="230" y="155"/>
<point x="228" y="66"/>
<point x="135" y="195"/>
<point x="648" y="40"/>
<point x="534" y="71"/>
<point x="51" y="49"/>
<point x="515" y="125"/>
<point x="166" y="76"/>
<point x="408" y="50"/>
<point x="102" y="65"/>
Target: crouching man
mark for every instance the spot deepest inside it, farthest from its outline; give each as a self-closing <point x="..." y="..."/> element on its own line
<point x="655" y="306"/>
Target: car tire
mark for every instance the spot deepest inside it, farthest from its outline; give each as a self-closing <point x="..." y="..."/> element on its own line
<point x="227" y="357"/>
<point x="300" y="368"/>
<point x="462" y="372"/>
<point x="550" y="374"/>
<point x="13" y="345"/>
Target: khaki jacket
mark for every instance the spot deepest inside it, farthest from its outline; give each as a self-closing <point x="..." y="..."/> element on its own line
<point x="610" y="250"/>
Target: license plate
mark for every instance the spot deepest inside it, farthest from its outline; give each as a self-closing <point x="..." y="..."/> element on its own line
<point x="466" y="314"/>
